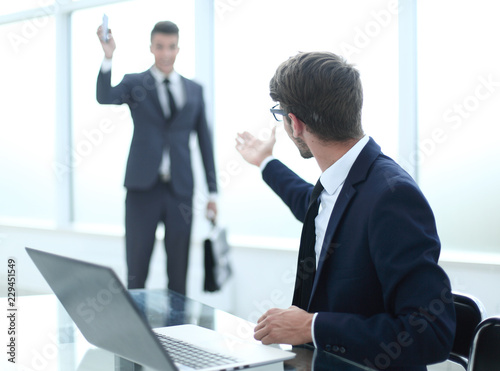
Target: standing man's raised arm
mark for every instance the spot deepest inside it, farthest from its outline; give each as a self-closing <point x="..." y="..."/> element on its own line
<point x="108" y="46"/>
<point x="105" y="93"/>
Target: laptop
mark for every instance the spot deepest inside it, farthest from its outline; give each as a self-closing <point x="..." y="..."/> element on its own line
<point x="108" y="318"/>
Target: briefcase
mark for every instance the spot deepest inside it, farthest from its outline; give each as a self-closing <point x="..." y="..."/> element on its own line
<point x="217" y="260"/>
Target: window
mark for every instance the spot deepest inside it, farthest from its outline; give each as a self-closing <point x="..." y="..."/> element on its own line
<point x="252" y="39"/>
<point x="102" y="133"/>
<point x="459" y="87"/>
<point x="13" y="6"/>
<point x="27" y="117"/>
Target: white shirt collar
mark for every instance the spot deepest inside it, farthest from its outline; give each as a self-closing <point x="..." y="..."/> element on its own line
<point x="333" y="177"/>
<point x="159" y="76"/>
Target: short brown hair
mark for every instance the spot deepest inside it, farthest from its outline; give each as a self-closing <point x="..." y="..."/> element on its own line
<point x="323" y="91"/>
<point x="166" y="27"/>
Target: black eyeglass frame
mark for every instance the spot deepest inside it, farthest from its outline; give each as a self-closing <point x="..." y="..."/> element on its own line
<point x="277" y="111"/>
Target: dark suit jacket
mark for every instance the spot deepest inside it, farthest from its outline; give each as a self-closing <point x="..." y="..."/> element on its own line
<point x="151" y="132"/>
<point x="381" y="298"/>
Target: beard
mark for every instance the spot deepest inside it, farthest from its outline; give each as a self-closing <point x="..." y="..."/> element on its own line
<point x="304" y="150"/>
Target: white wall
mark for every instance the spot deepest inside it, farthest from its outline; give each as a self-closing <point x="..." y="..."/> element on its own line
<point x="263" y="276"/>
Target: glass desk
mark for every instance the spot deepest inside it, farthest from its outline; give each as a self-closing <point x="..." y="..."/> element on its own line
<point x="47" y="338"/>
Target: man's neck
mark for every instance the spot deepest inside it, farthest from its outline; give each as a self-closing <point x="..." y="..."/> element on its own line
<point x="163" y="72"/>
<point x="328" y="153"/>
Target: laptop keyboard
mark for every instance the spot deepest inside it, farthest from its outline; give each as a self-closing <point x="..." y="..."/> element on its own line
<point x="192" y="356"/>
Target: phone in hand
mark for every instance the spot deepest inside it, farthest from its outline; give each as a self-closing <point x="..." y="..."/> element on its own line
<point x="105" y="28"/>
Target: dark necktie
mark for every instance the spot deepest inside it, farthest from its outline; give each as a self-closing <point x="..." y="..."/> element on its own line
<point x="306" y="267"/>
<point x="171" y="101"/>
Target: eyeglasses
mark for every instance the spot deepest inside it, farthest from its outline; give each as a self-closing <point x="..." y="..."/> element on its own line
<point x="278" y="113"/>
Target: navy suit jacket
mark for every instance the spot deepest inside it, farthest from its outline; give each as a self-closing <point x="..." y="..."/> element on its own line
<point x="152" y="132"/>
<point x="381" y="298"/>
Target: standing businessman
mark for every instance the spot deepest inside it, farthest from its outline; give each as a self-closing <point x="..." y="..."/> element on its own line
<point x="166" y="108"/>
<point x="368" y="286"/>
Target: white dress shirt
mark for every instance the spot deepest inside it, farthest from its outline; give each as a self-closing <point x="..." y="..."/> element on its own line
<point x="332" y="180"/>
<point x="176" y="88"/>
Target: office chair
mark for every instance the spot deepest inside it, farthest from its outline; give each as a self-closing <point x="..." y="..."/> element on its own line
<point x="469" y="313"/>
<point x="485" y="350"/>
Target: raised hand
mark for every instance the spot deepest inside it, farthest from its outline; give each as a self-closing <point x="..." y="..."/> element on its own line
<point x="109" y="46"/>
<point x="254" y="150"/>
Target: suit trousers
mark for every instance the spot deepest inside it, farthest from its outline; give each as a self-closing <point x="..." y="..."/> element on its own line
<point x="144" y="209"/>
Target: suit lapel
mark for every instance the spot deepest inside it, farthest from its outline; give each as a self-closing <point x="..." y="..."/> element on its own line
<point x="357" y="174"/>
<point x="150" y="83"/>
<point x="328" y="248"/>
<point x="189" y="98"/>
<point x="188" y="91"/>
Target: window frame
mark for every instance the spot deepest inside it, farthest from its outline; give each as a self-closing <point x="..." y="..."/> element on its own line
<point x="204" y="71"/>
<point x="204" y="64"/>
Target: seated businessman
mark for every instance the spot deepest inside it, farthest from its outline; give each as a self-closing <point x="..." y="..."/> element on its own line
<point x="368" y="284"/>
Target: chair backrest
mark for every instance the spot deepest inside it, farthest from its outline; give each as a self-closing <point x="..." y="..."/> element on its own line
<point x="469" y="313"/>
<point x="485" y="350"/>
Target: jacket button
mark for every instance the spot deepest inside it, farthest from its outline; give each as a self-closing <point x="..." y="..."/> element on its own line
<point x="335" y="348"/>
<point x="342" y="350"/>
<point x="328" y="347"/>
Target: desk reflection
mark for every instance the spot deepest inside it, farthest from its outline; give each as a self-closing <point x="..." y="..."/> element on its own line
<point x="306" y="360"/>
<point x="167" y="308"/>
<point x="51" y="341"/>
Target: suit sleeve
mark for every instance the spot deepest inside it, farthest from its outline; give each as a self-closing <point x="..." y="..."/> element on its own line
<point x="292" y="189"/>
<point x="205" y="142"/>
<point x="419" y="321"/>
<point x="106" y="94"/>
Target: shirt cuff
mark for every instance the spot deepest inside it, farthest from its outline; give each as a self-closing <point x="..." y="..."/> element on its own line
<point x="312" y="330"/>
<point x="264" y="163"/>
<point x="106" y="65"/>
<point x="212" y="197"/>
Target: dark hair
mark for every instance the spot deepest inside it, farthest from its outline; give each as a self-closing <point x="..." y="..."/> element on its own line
<point x="165" y="27"/>
<point x="323" y="91"/>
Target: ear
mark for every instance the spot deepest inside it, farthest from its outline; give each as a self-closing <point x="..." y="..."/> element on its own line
<point x="297" y="124"/>
<point x="151" y="48"/>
